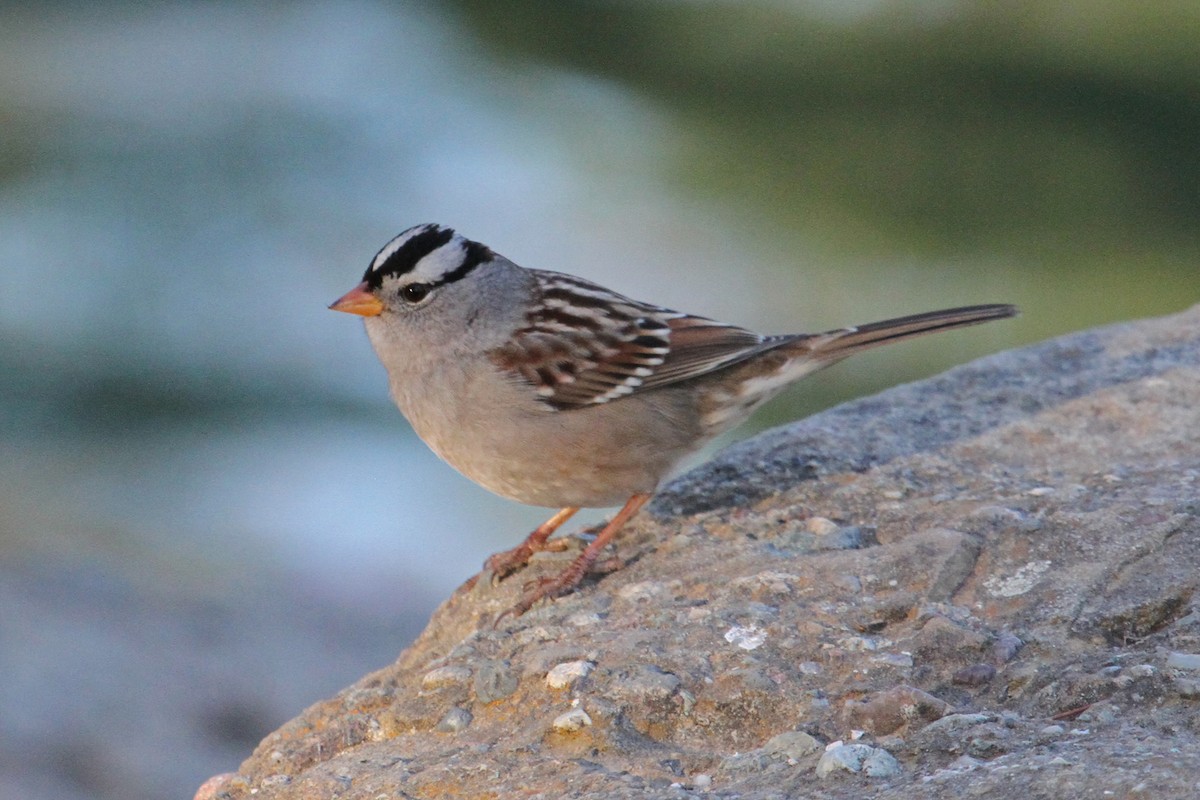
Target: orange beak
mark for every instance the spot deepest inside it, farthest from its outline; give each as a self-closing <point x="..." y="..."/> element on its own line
<point x="359" y="300"/>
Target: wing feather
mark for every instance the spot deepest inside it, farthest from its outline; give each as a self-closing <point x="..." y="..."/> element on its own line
<point x="584" y="345"/>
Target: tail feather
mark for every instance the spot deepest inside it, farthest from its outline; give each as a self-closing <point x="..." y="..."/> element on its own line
<point x="785" y="359"/>
<point x="838" y="344"/>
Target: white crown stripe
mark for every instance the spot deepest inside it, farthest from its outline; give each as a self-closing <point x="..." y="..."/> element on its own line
<point x="391" y="248"/>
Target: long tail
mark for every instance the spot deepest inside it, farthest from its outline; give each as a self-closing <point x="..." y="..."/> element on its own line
<point x="838" y="344"/>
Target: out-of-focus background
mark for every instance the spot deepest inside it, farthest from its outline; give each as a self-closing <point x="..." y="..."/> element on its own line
<point x="210" y="513"/>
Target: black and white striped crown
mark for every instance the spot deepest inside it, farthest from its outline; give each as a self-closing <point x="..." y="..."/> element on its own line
<point x="433" y="255"/>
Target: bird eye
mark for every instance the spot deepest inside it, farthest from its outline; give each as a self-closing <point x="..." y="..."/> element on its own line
<point x="415" y="292"/>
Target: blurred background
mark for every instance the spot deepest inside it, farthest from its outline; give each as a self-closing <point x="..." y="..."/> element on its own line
<point x="210" y="513"/>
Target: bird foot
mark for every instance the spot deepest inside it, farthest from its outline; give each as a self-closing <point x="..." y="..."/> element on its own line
<point x="563" y="583"/>
<point x="545" y="589"/>
<point x="569" y="578"/>
<point x="506" y="562"/>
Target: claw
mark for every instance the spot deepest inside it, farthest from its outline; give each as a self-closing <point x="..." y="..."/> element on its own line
<point x="569" y="578"/>
<point x="507" y="562"/>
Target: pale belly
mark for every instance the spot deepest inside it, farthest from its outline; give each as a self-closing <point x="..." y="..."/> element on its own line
<point x="590" y="457"/>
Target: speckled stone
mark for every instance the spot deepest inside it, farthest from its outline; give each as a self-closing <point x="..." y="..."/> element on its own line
<point x="571" y="721"/>
<point x="494" y="680"/>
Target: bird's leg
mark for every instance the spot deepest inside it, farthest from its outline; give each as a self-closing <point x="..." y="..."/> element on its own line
<point x="570" y="577"/>
<point x="505" y="563"/>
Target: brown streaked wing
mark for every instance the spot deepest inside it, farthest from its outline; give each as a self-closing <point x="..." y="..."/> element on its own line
<point x="584" y="344"/>
<point x="700" y="346"/>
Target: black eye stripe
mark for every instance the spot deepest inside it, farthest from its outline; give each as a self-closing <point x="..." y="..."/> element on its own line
<point x="474" y="254"/>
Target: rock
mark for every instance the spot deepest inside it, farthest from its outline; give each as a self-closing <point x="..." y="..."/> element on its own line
<point x="212" y="788"/>
<point x="821" y="526"/>
<point x="957" y="733"/>
<point x="446" y="676"/>
<point x="879" y="763"/>
<point x="747" y="637"/>
<point x="793" y="748"/>
<point x="896" y="708"/>
<point x="563" y="675"/>
<point x="974" y="675"/>
<point x="792" y="745"/>
<point x="941" y="640"/>
<point x="1184" y="661"/>
<point x="863" y="758"/>
<point x="494" y="680"/>
<point x="1005" y="649"/>
<point x="571" y="721"/>
<point x="1020" y="624"/>
<point x="455" y="720"/>
<point x="955" y="724"/>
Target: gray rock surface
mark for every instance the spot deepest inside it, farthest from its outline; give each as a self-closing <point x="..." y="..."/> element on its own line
<point x="988" y="577"/>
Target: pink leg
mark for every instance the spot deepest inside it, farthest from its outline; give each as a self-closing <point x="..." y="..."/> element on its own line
<point x="570" y="577"/>
<point x="505" y="563"/>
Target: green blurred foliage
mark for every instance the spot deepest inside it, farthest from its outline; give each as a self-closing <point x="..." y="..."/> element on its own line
<point x="1062" y="129"/>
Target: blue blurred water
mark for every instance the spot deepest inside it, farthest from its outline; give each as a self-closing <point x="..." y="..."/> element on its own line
<point x="202" y="182"/>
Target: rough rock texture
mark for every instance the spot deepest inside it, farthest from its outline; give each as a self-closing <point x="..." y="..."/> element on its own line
<point x="982" y="585"/>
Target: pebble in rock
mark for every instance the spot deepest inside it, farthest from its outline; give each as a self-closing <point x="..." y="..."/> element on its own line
<point x="1188" y="661"/>
<point x="445" y="676"/>
<point x="747" y="637"/>
<point x="582" y="619"/>
<point x="494" y="681"/>
<point x="974" y="675"/>
<point x="956" y="723"/>
<point x="1005" y="648"/>
<point x="571" y="721"/>
<point x="456" y="719"/>
<point x="879" y="763"/>
<point x="872" y="761"/>
<point x="563" y="675"/>
<point x="214" y="786"/>
<point x="820" y="526"/>
<point x="792" y="745"/>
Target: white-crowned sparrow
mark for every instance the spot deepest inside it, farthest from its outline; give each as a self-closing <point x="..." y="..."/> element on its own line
<point x="553" y="391"/>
